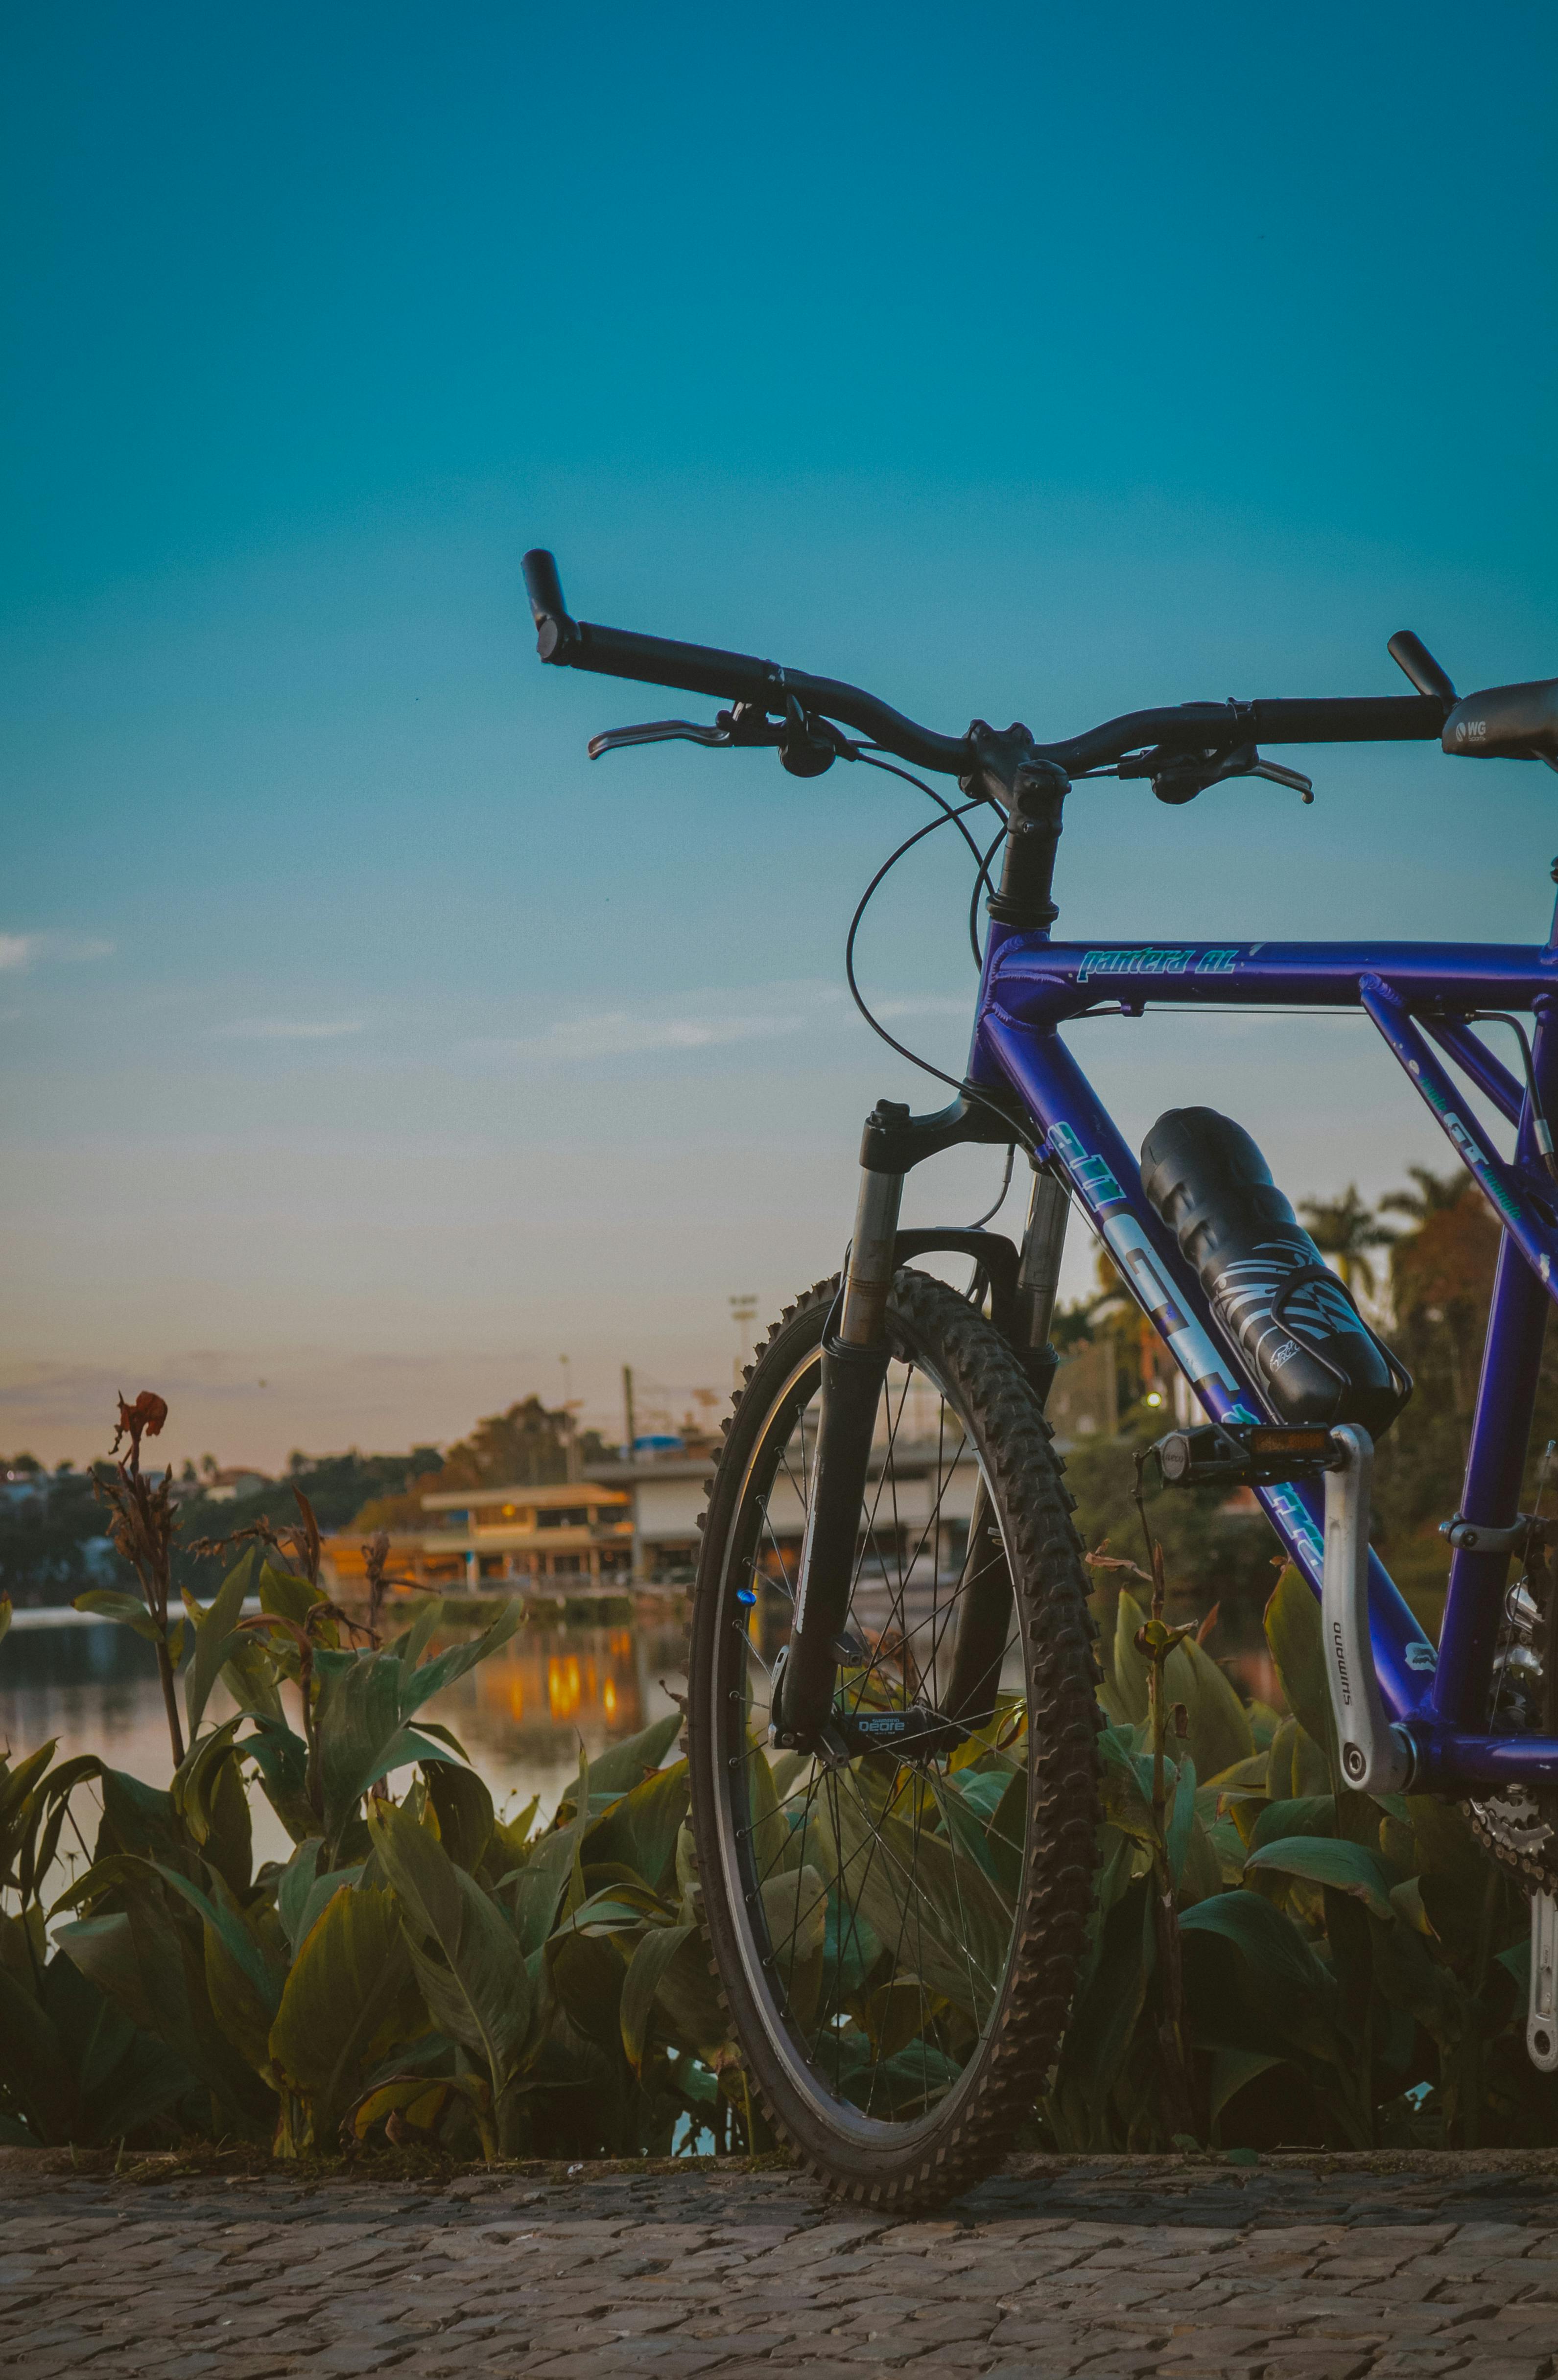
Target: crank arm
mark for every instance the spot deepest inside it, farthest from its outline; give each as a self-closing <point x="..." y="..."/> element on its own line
<point x="1376" y="1756"/>
<point x="1541" y="2011"/>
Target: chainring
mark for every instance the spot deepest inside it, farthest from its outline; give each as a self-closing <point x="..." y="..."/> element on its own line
<point x="1519" y="1826"/>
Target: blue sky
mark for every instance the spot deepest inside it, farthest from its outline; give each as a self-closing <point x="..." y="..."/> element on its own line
<point x="361" y="1037"/>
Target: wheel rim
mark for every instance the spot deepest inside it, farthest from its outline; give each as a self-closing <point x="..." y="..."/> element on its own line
<point x="873" y="1900"/>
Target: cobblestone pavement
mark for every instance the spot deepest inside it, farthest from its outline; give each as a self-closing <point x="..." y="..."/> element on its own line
<point x="1159" y="2267"/>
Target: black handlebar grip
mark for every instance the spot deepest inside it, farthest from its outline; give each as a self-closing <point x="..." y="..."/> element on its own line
<point x="1409" y="653"/>
<point x="553" y="628"/>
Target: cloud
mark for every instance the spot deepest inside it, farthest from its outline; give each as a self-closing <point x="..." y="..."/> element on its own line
<point x="281" y="1028"/>
<point x="929" y="1006"/>
<point x="618" y="1034"/>
<point x="719" y="1020"/>
<point x="18" y="952"/>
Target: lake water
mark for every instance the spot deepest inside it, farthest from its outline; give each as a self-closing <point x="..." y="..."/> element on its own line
<point x="521" y="1715"/>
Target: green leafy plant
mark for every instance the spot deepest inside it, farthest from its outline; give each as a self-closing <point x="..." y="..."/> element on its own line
<point x="418" y="1966"/>
<point x="1350" y="1971"/>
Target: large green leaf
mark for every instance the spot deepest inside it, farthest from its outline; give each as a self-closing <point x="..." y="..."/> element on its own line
<point x="1293" y="1631"/>
<point x="1218" y="1726"/>
<point x="1181" y="1818"/>
<point x="772" y="1842"/>
<point x="104" y="1948"/>
<point x="687" y="1997"/>
<point x="1411" y="1979"/>
<point x="624" y="1766"/>
<point x="409" y="1649"/>
<point x="243" y="1987"/>
<point x="467" y="1958"/>
<point x="1218" y="1729"/>
<point x="948" y="1918"/>
<point x="964" y="1830"/>
<point x="221" y="1919"/>
<point x="33" y="2065"/>
<point x="1313" y="1813"/>
<point x="1103" y="2020"/>
<point x="1348" y="1868"/>
<point x="282" y="1758"/>
<point x="640" y="1829"/>
<point x="1276" y="1991"/>
<point x="207" y="1795"/>
<point x="1132" y="1669"/>
<point x="252" y="1678"/>
<point x="125" y="2077"/>
<point x="289" y="1596"/>
<point x="358" y="1719"/>
<point x="433" y="1676"/>
<point x="464" y="1810"/>
<point x="302" y="1893"/>
<point x="534" y="1890"/>
<point x="157" y="1974"/>
<point x="217" y="1636"/>
<point x="141" y="1819"/>
<point x="364" y="1700"/>
<point x="1230" y="2070"/>
<point x="19" y="1805"/>
<point x="1006" y="1833"/>
<point x="349" y="1999"/>
<point x="646" y="1971"/>
<point x="293" y="1887"/>
<point x="1461" y="1889"/>
<point x="110" y="1603"/>
<point x="50" y="1806"/>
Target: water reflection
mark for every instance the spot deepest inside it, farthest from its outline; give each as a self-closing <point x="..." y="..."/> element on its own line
<point x="522" y="1716"/>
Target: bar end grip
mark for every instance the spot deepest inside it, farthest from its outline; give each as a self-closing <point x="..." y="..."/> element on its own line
<point x="554" y="630"/>
<point x="1412" y="656"/>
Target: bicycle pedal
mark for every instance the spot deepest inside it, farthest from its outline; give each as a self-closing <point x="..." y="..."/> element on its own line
<point x="1243" y="1454"/>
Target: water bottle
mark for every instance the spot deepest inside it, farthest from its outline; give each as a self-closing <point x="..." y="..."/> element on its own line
<point x="1301" y="1336"/>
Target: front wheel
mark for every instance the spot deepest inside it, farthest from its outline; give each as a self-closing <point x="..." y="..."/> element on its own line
<point x="897" y="1932"/>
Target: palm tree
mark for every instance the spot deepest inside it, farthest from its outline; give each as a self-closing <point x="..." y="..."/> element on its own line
<point x="1344" y="1228"/>
<point x="1435" y="1194"/>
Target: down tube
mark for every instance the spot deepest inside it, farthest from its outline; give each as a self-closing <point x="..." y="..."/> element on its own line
<point x="1107" y="1183"/>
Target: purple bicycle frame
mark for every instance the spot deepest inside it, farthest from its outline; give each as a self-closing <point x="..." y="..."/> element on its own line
<point x="1418" y="995"/>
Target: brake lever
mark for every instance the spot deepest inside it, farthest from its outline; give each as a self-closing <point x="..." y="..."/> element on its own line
<point x="660" y="731"/>
<point x="806" y="745"/>
<point x="1178" y="777"/>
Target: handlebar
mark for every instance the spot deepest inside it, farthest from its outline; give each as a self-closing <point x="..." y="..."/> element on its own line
<point x="1193" y="727"/>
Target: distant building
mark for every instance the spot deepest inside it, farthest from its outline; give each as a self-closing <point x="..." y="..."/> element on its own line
<point x="577" y="1534"/>
<point x="228" y="1486"/>
<point x="636" y="1523"/>
<point x="665" y="1494"/>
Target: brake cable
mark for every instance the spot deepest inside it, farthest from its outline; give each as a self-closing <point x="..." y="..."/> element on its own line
<point x="1011" y="1132"/>
<point x="890" y="767"/>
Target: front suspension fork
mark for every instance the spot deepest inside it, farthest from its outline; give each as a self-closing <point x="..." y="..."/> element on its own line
<point x="855" y="1358"/>
<point x="984" y="1591"/>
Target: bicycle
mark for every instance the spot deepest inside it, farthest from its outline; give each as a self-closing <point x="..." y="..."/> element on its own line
<point x="891" y="1721"/>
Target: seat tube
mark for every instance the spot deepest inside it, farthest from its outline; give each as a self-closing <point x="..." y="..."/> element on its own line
<point x="1500" y="1429"/>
